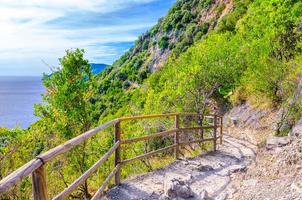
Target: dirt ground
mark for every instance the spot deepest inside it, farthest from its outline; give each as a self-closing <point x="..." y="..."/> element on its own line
<point x="212" y="172"/>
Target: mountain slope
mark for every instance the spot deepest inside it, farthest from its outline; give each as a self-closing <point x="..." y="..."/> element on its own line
<point x="186" y="23"/>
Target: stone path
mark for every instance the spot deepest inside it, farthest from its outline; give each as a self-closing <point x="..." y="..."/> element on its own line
<point x="209" y="176"/>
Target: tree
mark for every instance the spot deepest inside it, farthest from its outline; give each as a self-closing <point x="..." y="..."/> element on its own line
<point x="68" y="103"/>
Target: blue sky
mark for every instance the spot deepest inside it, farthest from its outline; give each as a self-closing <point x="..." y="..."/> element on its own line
<point x="35" y="32"/>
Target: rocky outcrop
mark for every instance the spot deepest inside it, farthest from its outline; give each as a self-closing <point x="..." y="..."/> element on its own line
<point x="297" y="129"/>
<point x="206" y="177"/>
<point x="176" y="186"/>
<point x="274" y="142"/>
<point x="246" y="116"/>
<point x="278" y="172"/>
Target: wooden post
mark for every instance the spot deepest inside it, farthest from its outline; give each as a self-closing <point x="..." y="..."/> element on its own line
<point x="176" y="137"/>
<point x="117" y="137"/>
<point x="221" y="129"/>
<point x="39" y="184"/>
<point x="201" y="124"/>
<point x="215" y="132"/>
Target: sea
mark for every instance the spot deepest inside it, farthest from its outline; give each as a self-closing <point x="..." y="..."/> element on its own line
<point x="17" y="98"/>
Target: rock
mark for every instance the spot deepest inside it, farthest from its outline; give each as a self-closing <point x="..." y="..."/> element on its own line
<point x="273" y="142"/>
<point x="297" y="129"/>
<point x="238" y="168"/>
<point x="205" y="168"/>
<point x="203" y="195"/>
<point x="163" y="197"/>
<point x="176" y="186"/>
<point x="222" y="196"/>
<point x="235" y="121"/>
<point x="194" y="163"/>
<point x="185" y="162"/>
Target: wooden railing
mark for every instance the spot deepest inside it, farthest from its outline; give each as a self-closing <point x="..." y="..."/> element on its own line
<point x="36" y="166"/>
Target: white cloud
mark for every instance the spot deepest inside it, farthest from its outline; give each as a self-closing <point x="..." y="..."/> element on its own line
<point x="91" y="5"/>
<point x="25" y="36"/>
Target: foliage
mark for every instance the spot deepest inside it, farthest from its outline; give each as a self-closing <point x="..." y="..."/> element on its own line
<point x="254" y="54"/>
<point x="173" y="34"/>
<point x="70" y="90"/>
<point x="197" y="75"/>
<point x="163" y="42"/>
<point x="69" y="105"/>
<point x="269" y="43"/>
<point x="228" y="23"/>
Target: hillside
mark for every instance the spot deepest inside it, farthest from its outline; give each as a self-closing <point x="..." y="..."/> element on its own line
<point x="237" y="44"/>
<point x="204" y="56"/>
<point x="186" y="23"/>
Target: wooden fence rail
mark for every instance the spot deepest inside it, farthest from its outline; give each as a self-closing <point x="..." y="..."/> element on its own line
<point x="35" y="167"/>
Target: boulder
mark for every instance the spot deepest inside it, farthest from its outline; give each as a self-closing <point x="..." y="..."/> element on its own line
<point x="163" y="197"/>
<point x="238" y="168"/>
<point x="203" y="195"/>
<point x="273" y="142"/>
<point x="176" y="186"/>
<point x="204" y="168"/>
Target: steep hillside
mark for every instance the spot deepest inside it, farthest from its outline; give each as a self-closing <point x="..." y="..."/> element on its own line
<point x="251" y="52"/>
<point x="223" y="49"/>
<point x="186" y="23"/>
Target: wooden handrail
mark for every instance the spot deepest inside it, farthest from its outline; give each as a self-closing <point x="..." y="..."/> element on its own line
<point x="148" y="116"/>
<point x="197" y="128"/>
<point x="19" y="174"/>
<point x="105" y="183"/>
<point x="35" y="166"/>
<point x="149" y="154"/>
<point x="74" y="142"/>
<point x="196" y="141"/>
<point x="37" y="162"/>
<point x="149" y="137"/>
<point x="85" y="176"/>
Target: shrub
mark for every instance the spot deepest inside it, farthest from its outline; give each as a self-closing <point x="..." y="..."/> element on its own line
<point x="204" y="28"/>
<point x="220" y="8"/>
<point x="205" y="3"/>
<point x="122" y="76"/>
<point x="163" y="42"/>
<point x="126" y="85"/>
<point x="187" y="17"/>
<point x="145" y="44"/>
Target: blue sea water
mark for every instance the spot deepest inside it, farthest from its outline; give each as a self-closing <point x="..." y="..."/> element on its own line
<point x="17" y="98"/>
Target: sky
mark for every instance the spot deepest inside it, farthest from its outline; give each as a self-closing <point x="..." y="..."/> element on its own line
<point x="35" y="33"/>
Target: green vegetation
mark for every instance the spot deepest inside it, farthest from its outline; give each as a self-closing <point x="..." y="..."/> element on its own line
<point x="252" y="54"/>
<point x="173" y="34"/>
<point x="69" y="106"/>
<point x="163" y="42"/>
<point x="198" y="75"/>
